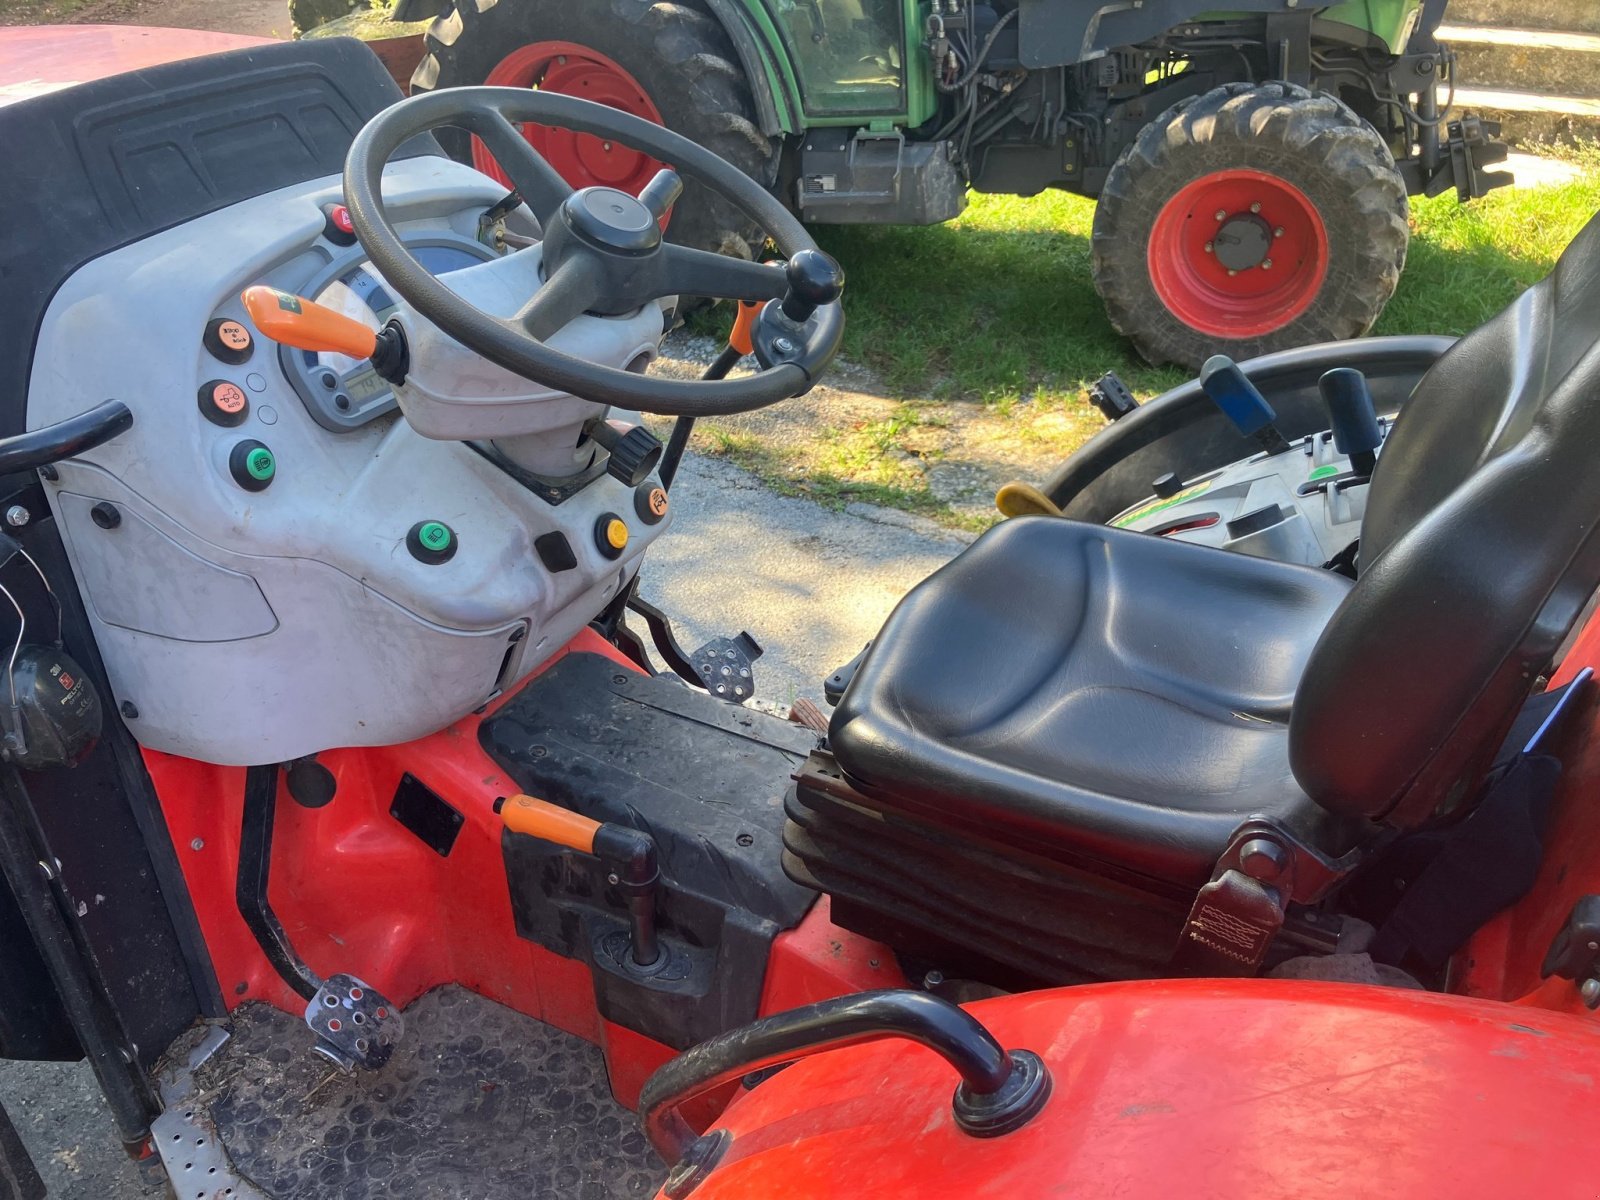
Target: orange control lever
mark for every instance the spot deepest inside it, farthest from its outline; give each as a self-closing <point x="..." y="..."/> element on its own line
<point x="744" y="324"/>
<point x="292" y="321"/>
<point x="550" y="822"/>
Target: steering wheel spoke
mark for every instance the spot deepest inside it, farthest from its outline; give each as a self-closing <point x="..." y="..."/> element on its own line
<point x="687" y="272"/>
<point x="603" y="250"/>
<point x="540" y="184"/>
<point x="572" y="289"/>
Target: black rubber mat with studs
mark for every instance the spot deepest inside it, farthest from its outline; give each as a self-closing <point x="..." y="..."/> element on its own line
<point x="478" y="1102"/>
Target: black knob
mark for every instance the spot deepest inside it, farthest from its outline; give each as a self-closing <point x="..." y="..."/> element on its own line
<point x="813" y="280"/>
<point x="634" y="452"/>
<point x="662" y="192"/>
<point x="1354" y="419"/>
<point x="1166" y="486"/>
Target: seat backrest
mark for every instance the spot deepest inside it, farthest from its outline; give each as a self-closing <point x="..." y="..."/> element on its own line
<point x="1479" y="551"/>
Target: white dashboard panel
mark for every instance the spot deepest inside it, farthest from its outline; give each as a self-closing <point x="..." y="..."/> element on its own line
<point x="368" y="641"/>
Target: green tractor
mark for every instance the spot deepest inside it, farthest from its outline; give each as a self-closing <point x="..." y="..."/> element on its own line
<point x="1252" y="166"/>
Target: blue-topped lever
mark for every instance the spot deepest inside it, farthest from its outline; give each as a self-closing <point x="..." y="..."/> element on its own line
<point x="1356" y="432"/>
<point x="1241" y="403"/>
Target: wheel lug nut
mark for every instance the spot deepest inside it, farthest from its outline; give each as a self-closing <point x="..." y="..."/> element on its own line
<point x="1222" y="214"/>
<point x="1232" y="273"/>
<point x="1256" y="207"/>
<point x="606" y="146"/>
<point x="1208" y="247"/>
<point x="1278" y="232"/>
<point x="1266" y="264"/>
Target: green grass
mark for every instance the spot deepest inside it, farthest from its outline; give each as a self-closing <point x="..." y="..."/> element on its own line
<point x="999" y="306"/>
<point x="996" y="315"/>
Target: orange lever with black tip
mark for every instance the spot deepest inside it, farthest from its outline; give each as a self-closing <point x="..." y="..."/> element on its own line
<point x="549" y="822"/>
<point x="292" y="321"/>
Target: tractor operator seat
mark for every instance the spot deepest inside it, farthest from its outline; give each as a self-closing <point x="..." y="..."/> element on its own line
<point x="1123" y="704"/>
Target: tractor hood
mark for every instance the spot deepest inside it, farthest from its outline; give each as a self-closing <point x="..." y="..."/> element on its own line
<point x="35" y="60"/>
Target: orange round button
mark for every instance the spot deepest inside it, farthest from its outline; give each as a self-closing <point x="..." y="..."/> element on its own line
<point x="650" y="502"/>
<point x="228" y="340"/>
<point x="223" y="402"/>
<point x="228" y="397"/>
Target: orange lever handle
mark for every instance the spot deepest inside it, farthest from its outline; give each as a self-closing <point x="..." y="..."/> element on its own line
<point x="549" y="822"/>
<point x="292" y="321"/>
<point x="744" y="324"/>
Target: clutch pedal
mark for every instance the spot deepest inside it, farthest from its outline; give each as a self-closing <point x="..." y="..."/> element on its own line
<point x="355" y="1024"/>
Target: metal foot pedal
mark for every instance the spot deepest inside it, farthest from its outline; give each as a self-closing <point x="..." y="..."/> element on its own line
<point x="356" y="1026"/>
<point x="725" y="667"/>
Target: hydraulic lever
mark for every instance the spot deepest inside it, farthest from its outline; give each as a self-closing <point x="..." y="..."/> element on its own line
<point x="1233" y="393"/>
<point x="1351" y="413"/>
<point x="629" y="855"/>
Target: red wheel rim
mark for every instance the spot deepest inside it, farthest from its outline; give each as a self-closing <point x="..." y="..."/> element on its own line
<point x="582" y="159"/>
<point x="1238" y="254"/>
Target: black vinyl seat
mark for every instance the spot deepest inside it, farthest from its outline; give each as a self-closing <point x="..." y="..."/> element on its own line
<point x="1117" y="715"/>
<point x="1105" y="693"/>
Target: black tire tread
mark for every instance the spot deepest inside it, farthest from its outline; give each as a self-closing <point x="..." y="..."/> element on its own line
<point x="678" y="53"/>
<point x="1308" y="138"/>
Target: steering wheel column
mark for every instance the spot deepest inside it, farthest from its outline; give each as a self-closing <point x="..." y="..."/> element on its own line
<point x="602" y="258"/>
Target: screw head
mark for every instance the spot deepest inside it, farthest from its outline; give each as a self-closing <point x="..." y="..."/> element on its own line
<point x="783" y="345"/>
<point x="197" y="844"/>
<point x="1266" y="264"/>
<point x="1256" y="207"/>
<point x="17" y="516"/>
<point x="1222" y="214"/>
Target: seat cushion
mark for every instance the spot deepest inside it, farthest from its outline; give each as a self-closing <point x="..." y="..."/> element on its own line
<point x="1080" y="690"/>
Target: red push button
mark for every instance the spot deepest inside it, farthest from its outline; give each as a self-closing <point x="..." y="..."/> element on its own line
<point x="337" y="226"/>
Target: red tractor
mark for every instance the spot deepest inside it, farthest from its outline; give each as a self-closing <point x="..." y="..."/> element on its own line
<point x="369" y="834"/>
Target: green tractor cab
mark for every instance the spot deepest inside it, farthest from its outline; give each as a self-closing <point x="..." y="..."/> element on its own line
<point x="1252" y="165"/>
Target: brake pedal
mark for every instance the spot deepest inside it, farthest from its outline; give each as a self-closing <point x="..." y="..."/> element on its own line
<point x="726" y="667"/>
<point x="355" y="1024"/>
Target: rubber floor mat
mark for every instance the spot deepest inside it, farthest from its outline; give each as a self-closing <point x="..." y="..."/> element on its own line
<point x="478" y="1103"/>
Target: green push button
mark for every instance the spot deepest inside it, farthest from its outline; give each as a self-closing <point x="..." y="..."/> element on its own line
<point x="260" y="464"/>
<point x="431" y="542"/>
<point x="252" y="465"/>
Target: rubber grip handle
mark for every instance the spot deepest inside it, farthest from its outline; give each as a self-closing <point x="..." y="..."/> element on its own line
<point x="1351" y="413"/>
<point x="744" y="325"/>
<point x="549" y="822"/>
<point x="1229" y="389"/>
<point x="293" y="321"/>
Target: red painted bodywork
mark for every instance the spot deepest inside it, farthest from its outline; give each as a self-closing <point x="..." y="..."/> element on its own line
<point x="46" y="58"/>
<point x="1198" y="1089"/>
<point x="358" y="892"/>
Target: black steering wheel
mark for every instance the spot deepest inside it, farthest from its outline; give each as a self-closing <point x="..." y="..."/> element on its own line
<point x="604" y="254"/>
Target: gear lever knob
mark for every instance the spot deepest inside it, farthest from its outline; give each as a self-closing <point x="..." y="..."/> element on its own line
<point x="662" y="192"/>
<point x="813" y="280"/>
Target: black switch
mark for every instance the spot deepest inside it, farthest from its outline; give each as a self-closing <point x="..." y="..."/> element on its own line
<point x="555" y="552"/>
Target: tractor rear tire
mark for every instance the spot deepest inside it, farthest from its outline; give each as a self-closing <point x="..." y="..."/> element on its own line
<point x="1253" y="218"/>
<point x="677" y="55"/>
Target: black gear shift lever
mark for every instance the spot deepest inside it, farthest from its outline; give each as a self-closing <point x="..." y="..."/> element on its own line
<point x="813" y="280"/>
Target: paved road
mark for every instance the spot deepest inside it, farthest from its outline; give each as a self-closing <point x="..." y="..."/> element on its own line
<point x="811" y="586"/>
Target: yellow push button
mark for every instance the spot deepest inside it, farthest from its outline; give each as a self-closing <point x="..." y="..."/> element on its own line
<point x="611" y="535"/>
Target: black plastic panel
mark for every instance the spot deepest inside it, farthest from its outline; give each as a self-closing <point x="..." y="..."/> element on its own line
<point x="706" y="780"/>
<point x="103" y="823"/>
<point x="103" y="164"/>
<point x="425" y="813"/>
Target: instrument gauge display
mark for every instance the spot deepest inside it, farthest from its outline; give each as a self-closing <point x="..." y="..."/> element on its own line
<point x="343" y="392"/>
